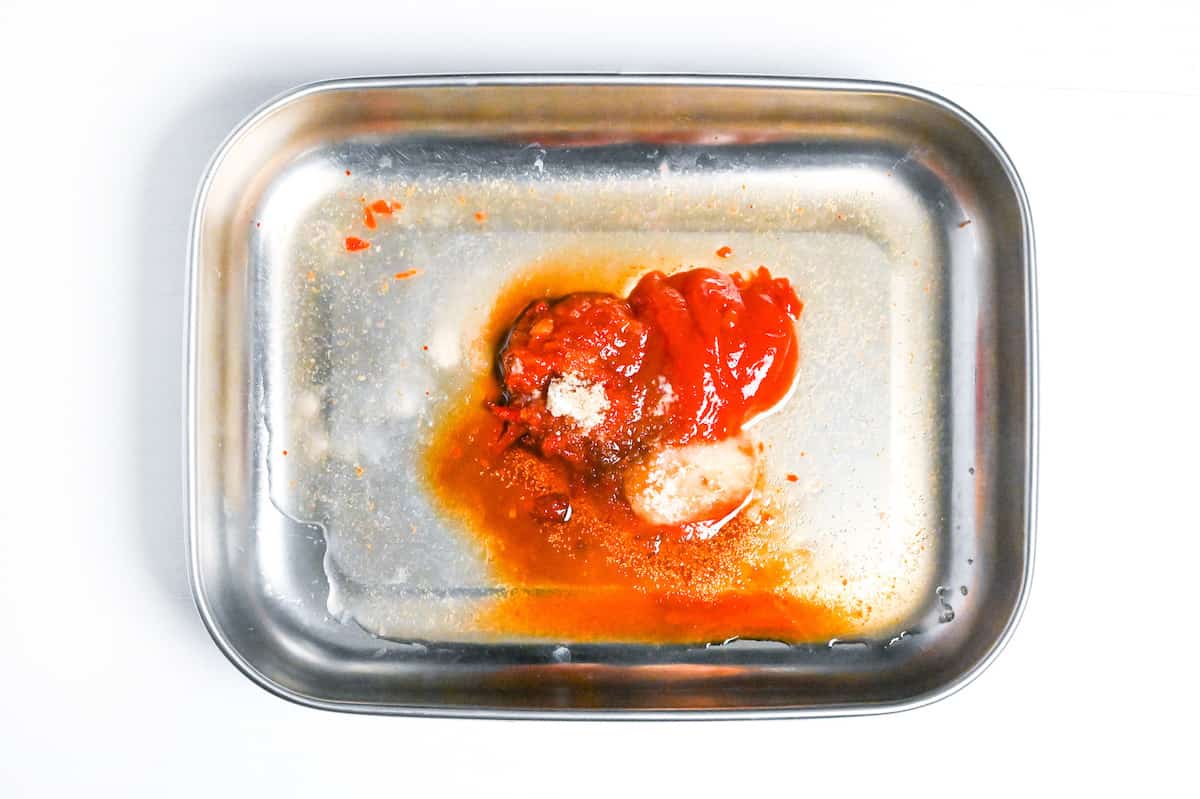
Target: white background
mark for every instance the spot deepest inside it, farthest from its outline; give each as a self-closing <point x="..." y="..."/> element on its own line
<point x="108" y="681"/>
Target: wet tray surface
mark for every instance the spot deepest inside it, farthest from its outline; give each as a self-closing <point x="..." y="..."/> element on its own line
<point x="322" y="565"/>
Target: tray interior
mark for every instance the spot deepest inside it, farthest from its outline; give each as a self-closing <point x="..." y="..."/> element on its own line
<point x="329" y="575"/>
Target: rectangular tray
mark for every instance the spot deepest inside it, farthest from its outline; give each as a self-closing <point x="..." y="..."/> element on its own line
<point x="328" y="578"/>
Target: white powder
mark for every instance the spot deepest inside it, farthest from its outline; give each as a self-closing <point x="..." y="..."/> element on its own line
<point x="665" y="398"/>
<point x="700" y="481"/>
<point x="585" y="403"/>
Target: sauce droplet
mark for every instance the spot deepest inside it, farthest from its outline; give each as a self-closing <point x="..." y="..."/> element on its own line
<point x="354" y="244"/>
<point x="554" y="507"/>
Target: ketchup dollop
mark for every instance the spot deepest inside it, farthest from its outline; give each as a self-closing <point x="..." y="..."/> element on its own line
<point x="694" y="355"/>
<point x="729" y="348"/>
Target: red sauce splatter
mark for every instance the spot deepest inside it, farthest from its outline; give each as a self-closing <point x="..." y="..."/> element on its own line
<point x="381" y="207"/>
<point x="406" y="274"/>
<point x="285" y="452"/>
<point x="397" y="206"/>
<point x="369" y="218"/>
<point x="724" y="252"/>
<point x="354" y="244"/>
<point x="347" y="172"/>
<point x="792" y="478"/>
<point x="480" y="216"/>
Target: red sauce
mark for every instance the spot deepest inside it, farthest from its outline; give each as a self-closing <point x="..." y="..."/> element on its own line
<point x="694" y="355"/>
<point x="552" y="507"/>
<point x="597" y="339"/>
<point x="354" y="244"/>
<point x="381" y="207"/>
<point x="724" y="252"/>
<point x="600" y="573"/>
<point x="546" y="503"/>
<point x="728" y="345"/>
<point x="618" y="614"/>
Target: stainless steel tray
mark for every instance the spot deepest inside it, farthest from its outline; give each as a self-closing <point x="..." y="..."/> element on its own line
<point x="327" y="576"/>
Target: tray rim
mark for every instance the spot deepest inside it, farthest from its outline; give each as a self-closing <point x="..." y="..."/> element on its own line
<point x="533" y="79"/>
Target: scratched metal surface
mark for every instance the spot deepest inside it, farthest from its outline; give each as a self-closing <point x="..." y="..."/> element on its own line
<point x="329" y="575"/>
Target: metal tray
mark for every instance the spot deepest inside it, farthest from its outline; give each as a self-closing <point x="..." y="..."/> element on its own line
<point x="326" y="575"/>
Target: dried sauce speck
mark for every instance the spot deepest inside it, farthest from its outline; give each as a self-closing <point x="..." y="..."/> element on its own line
<point x="354" y="244"/>
<point x="724" y="252"/>
<point x="792" y="478"/>
<point x="407" y="273"/>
